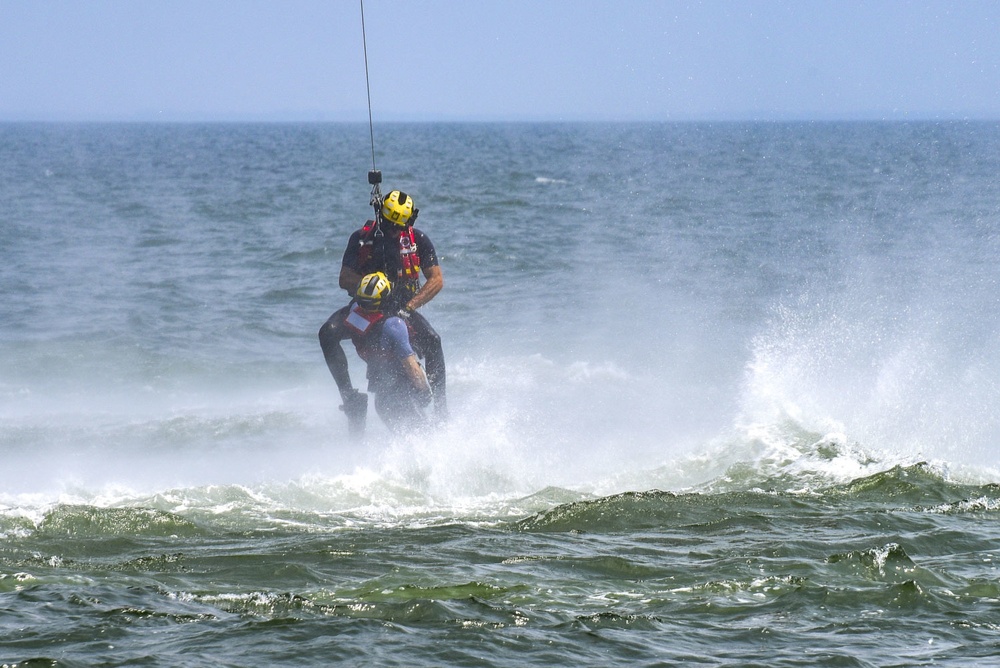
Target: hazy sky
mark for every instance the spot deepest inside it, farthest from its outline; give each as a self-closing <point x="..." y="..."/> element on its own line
<point x="498" y="59"/>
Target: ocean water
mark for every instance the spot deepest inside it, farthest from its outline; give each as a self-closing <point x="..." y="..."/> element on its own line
<point x="722" y="394"/>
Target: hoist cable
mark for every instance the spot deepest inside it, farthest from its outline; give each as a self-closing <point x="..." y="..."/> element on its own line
<point x="364" y="43"/>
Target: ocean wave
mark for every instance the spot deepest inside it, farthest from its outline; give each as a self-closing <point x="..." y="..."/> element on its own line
<point x="741" y="498"/>
<point x="91" y="521"/>
<point x="916" y="488"/>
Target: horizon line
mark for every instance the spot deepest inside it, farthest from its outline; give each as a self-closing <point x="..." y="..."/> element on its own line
<point x="423" y="119"/>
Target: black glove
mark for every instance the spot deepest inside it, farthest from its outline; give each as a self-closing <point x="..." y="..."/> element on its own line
<point x="355" y="405"/>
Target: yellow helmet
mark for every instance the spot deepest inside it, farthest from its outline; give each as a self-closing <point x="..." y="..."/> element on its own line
<point x="397" y="208"/>
<point x="372" y="290"/>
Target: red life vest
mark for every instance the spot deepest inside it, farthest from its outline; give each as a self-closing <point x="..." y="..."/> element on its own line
<point x="361" y="323"/>
<point x="409" y="258"/>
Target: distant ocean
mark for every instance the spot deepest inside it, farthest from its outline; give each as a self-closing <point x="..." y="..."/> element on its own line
<point x="722" y="394"/>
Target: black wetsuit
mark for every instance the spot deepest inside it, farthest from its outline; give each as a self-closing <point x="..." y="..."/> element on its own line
<point x="384" y="257"/>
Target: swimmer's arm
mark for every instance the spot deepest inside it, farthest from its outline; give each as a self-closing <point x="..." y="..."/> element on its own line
<point x="434" y="282"/>
<point x="416" y="376"/>
<point x="349" y="280"/>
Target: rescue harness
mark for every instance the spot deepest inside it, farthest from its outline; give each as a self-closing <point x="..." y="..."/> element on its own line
<point x="409" y="258"/>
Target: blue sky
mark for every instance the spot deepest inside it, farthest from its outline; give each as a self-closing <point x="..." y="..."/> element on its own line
<point x="499" y="59"/>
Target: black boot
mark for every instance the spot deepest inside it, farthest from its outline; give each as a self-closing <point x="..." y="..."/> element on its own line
<point x="355" y="407"/>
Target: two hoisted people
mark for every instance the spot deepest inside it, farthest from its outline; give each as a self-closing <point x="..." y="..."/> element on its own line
<point x="402" y="254"/>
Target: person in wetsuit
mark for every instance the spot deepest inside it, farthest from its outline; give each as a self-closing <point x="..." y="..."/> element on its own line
<point x="382" y="340"/>
<point x="403" y="253"/>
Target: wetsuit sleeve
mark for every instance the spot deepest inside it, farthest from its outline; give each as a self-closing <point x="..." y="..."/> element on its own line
<point x="425" y="249"/>
<point x="351" y="253"/>
<point x="396" y="338"/>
